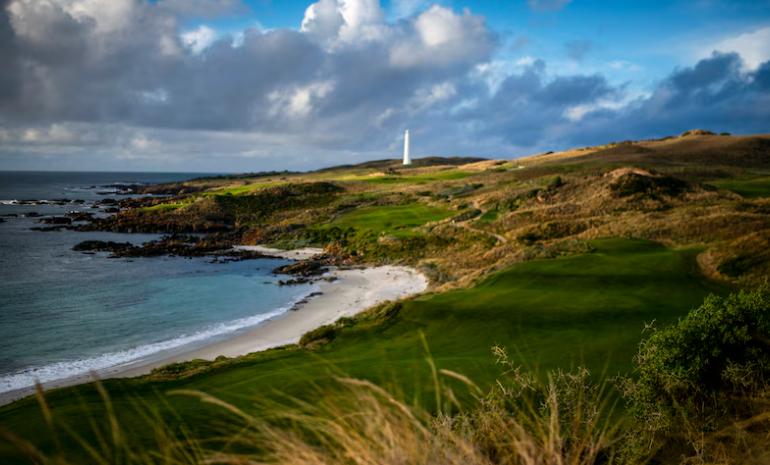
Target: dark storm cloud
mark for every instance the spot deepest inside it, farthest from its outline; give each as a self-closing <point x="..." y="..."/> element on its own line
<point x="140" y="73"/>
<point x="124" y="78"/>
<point x="714" y="94"/>
<point x="531" y="105"/>
<point x="10" y="79"/>
<point x="535" y="112"/>
<point x="202" y="8"/>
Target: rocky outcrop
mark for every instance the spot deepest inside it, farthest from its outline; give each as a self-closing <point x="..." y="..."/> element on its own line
<point x="173" y="245"/>
<point x="333" y="255"/>
<point x="80" y="216"/>
<point x="55" y="220"/>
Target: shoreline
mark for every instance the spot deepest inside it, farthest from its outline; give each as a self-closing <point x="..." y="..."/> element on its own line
<point x="354" y="291"/>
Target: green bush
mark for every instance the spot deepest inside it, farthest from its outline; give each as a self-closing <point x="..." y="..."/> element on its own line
<point x="555" y="183"/>
<point x="326" y="332"/>
<point x="711" y="366"/>
<point x="647" y="186"/>
<point x="345" y="321"/>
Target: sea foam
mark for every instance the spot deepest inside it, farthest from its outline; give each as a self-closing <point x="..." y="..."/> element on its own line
<point x="67" y="369"/>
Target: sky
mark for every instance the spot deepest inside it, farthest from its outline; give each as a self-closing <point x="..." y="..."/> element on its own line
<point x="234" y="86"/>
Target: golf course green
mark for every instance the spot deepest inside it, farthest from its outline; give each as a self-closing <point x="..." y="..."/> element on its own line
<point x="587" y="309"/>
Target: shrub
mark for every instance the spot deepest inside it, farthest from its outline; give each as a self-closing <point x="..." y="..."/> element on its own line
<point x="326" y="332"/>
<point x="555" y="183"/>
<point x="518" y="200"/>
<point x="467" y="214"/>
<point x="647" y="186"/>
<point x="345" y="321"/>
<point x="698" y="132"/>
<point x="711" y="366"/>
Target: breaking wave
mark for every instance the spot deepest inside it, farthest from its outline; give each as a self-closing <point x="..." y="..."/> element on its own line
<point x="67" y="369"/>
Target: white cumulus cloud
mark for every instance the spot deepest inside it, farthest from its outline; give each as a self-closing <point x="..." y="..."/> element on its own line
<point x="753" y="47"/>
<point x="199" y="39"/>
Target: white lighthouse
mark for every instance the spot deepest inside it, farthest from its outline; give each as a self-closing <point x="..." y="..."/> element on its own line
<point x="407" y="160"/>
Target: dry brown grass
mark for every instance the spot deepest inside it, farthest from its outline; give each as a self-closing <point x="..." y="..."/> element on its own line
<point x="563" y="421"/>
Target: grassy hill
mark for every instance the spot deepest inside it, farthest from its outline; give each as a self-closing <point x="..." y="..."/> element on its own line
<point x="562" y="258"/>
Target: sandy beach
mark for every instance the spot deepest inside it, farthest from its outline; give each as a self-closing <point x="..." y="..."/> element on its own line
<point x="296" y="254"/>
<point x="354" y="291"/>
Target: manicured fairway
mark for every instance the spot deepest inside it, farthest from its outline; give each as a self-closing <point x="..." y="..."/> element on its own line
<point x="242" y="190"/>
<point x="448" y="175"/>
<point x="394" y="219"/>
<point x="588" y="309"/>
<point x="749" y="188"/>
<point x="163" y="206"/>
<point x="489" y="216"/>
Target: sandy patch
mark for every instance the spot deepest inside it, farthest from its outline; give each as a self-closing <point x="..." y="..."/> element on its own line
<point x="297" y="254"/>
<point x="356" y="290"/>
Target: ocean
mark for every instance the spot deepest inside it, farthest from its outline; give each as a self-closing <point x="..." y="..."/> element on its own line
<point x="66" y="313"/>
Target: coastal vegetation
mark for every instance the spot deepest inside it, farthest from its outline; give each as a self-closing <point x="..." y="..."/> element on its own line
<point x="562" y="258"/>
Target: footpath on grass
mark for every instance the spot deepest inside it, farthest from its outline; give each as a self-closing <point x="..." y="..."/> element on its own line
<point x="464" y="224"/>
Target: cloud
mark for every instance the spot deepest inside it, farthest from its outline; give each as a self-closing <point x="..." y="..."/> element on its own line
<point x="202" y="8"/>
<point x="714" y="93"/>
<point x="752" y="47"/>
<point x="111" y="87"/>
<point x="533" y="111"/>
<point x="548" y="5"/>
<point x="623" y="65"/>
<point x="199" y="39"/>
<point x="128" y="65"/>
<point x="578" y="49"/>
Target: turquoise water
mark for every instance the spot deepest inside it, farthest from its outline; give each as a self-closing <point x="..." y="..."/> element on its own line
<point x="65" y="313"/>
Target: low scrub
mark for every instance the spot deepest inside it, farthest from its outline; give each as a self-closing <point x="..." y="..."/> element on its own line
<point x="325" y="333"/>
<point x="552" y="230"/>
<point x="698" y="379"/>
<point x="634" y="184"/>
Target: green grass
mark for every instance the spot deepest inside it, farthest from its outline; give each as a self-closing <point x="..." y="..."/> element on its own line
<point x="164" y="207"/>
<point x="749" y="188"/>
<point x="587" y="309"/>
<point x="242" y="190"/>
<point x="448" y="175"/>
<point x="398" y="220"/>
<point x="489" y="216"/>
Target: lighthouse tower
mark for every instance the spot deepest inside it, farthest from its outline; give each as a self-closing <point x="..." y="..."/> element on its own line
<point x="407" y="160"/>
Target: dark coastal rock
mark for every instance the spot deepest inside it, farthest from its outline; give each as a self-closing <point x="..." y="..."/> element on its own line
<point x="55" y="220"/>
<point x="10" y="215"/>
<point x="304" y="268"/>
<point x="111" y="210"/>
<point x="173" y="245"/>
<point x="101" y="246"/>
<point x="48" y="229"/>
<point x="2" y="220"/>
<point x="31" y="202"/>
<point x="227" y="256"/>
<point x="171" y="189"/>
<point x="293" y="282"/>
<point x="301" y="303"/>
<point x="32" y="215"/>
<point x="80" y="216"/>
